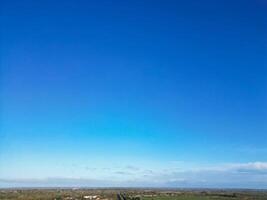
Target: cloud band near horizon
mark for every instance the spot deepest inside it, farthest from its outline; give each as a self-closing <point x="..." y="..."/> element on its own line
<point x="229" y="175"/>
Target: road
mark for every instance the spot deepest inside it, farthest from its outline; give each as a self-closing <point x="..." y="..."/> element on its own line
<point x="120" y="196"/>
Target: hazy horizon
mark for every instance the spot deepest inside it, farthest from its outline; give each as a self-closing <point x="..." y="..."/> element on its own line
<point x="133" y="93"/>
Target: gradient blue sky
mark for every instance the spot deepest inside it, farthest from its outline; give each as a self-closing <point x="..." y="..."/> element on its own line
<point x="133" y="93"/>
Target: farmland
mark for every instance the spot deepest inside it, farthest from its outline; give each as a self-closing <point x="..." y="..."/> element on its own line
<point x="130" y="194"/>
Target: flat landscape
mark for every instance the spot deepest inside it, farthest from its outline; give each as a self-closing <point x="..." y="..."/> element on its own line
<point x="130" y="194"/>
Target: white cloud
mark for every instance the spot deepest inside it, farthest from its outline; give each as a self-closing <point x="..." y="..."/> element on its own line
<point x="251" y="166"/>
<point x="249" y="175"/>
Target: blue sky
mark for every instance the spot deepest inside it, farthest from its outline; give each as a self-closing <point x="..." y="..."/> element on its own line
<point x="131" y="93"/>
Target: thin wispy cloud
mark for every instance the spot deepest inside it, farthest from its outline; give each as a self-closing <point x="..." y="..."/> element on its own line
<point x="232" y="174"/>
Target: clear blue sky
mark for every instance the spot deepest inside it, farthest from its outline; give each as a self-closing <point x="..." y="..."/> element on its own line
<point x="142" y="93"/>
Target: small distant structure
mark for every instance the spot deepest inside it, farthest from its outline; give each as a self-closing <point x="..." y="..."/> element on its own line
<point x="91" y="197"/>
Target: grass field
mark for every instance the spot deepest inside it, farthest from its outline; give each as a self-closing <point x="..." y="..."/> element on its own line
<point x="187" y="197"/>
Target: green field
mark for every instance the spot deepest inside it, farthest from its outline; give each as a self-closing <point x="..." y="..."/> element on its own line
<point x="205" y="195"/>
<point x="187" y="197"/>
